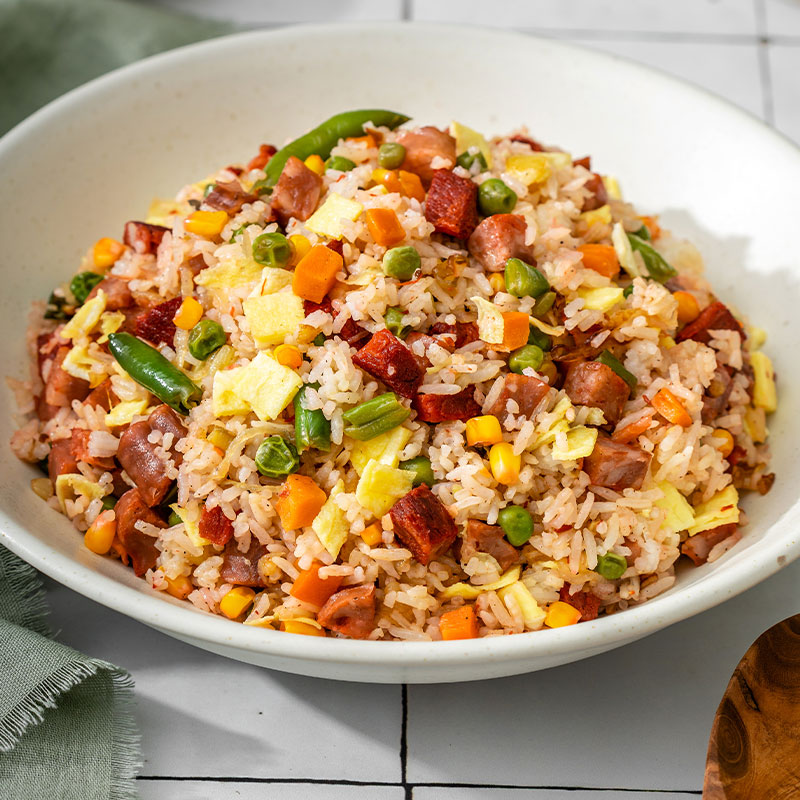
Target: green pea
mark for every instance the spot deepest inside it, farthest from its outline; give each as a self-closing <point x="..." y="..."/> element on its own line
<point x="174" y="519"/>
<point x="82" y="284"/>
<point x="272" y="250"/>
<point x="524" y="280"/>
<point x="109" y="501"/>
<point x="276" y="457"/>
<point x="391" y="155"/>
<point x="541" y="340"/>
<point x="394" y="322"/>
<point x="319" y="340"/>
<point x="528" y="356"/>
<point x="611" y="566"/>
<point x="206" y="337"/>
<point x="494" y="197"/>
<point x="422" y="469"/>
<point x="517" y="524"/>
<point x="340" y="164"/>
<point x="543" y="304"/>
<point x="467" y="159"/>
<point x="628" y="290"/>
<point x="401" y="262"/>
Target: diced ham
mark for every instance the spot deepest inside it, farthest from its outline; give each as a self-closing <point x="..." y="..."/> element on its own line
<point x="350" y="612"/>
<point x="215" y="526"/>
<point x="585" y="162"/>
<point x="351" y="331"/>
<point x="714" y="317"/>
<point x="241" y="569"/>
<point x="590" y="383"/>
<point x="162" y="418"/>
<point x="464" y="333"/>
<point x="498" y="238"/>
<point x="422" y="146"/>
<point x="479" y="537"/>
<point x="101" y="395"/>
<point x="585" y="602"/>
<point x="422" y="523"/>
<point x="229" y="197"/>
<point x="532" y="143"/>
<point x="616" y="465"/>
<point x="296" y="193"/>
<point x="61" y="388"/>
<point x="141" y="548"/>
<point x="81" y="452"/>
<point x="156" y="324"/>
<point x="61" y="460"/>
<point x="446" y="407"/>
<point x="598" y="196"/>
<point x="386" y="358"/>
<point x="698" y="547"/>
<point x="527" y="391"/>
<point x="265" y="153"/>
<point x="452" y="204"/>
<point x="118" y="295"/>
<point x="143" y="237"/>
<point x="716" y="395"/>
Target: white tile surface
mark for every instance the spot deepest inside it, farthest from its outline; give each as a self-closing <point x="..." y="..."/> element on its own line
<point x="449" y="793"/>
<point x="204" y="715"/>
<point x="783" y="17"/>
<point x="675" y="16"/>
<point x="213" y="790"/>
<point x="784" y="64"/>
<point x="635" y="718"/>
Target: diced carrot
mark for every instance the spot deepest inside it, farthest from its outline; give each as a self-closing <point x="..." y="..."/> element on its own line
<point x="298" y="626"/>
<point x="315" y="274"/>
<point x="651" y="223"/>
<point x="516" y="328"/>
<point x="688" y="307"/>
<point x="372" y="534"/>
<point x="601" y="258"/>
<point x="411" y="185"/>
<point x="384" y="227"/>
<point x="388" y="179"/>
<point x="671" y="408"/>
<point x="299" y="501"/>
<point x="460" y="623"/>
<point x="368" y="140"/>
<point x="633" y="430"/>
<point x="310" y="588"/>
<point x="560" y="614"/>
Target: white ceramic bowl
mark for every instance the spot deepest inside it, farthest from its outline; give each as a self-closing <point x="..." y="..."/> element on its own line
<point x="77" y="169"/>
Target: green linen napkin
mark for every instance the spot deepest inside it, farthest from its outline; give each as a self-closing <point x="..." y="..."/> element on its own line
<point x="66" y="728"/>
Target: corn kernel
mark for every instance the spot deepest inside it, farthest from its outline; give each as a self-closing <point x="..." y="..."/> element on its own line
<point x="180" y="587"/>
<point x="106" y="251"/>
<point x="219" y="438"/>
<point x="101" y="533"/>
<point x="504" y="463"/>
<point x="372" y="534"/>
<point x="388" y="179"/>
<point x="315" y="164"/>
<point x="206" y="223"/>
<point x="296" y="626"/>
<point x="300" y="247"/>
<point x="688" y="307"/>
<point x="497" y="282"/>
<point x="188" y="315"/>
<point x="561" y="614"/>
<point x="287" y="355"/>
<point x="236" y="601"/>
<point x="484" y="430"/>
<point x="723" y="441"/>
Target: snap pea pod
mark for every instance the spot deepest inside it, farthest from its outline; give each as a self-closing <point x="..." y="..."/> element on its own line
<point x="657" y="266"/>
<point x="311" y="428"/>
<point x="322" y="139"/>
<point x="150" y="369"/>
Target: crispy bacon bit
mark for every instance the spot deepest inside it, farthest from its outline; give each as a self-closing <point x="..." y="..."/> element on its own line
<point x="479" y="537"/>
<point x="599" y="195"/>
<point x="156" y="324"/>
<point x="296" y="193"/>
<point x="590" y="383"/>
<point x="698" y="547"/>
<point x="80" y="450"/>
<point x="452" y="204"/>
<point x="143" y="237"/>
<point x="446" y="407"/>
<point x="526" y="391"/>
<point x="386" y="358"/>
<point x="118" y="295"/>
<point x="141" y="548"/>
<point x="586" y="602"/>
<point x="241" y="569"/>
<point x="422" y="146"/>
<point x="615" y="465"/>
<point x="265" y="153"/>
<point x="215" y="526"/>
<point x="422" y="524"/>
<point x="532" y="143"/>
<point x="229" y="197"/>
<point x="498" y="238"/>
<point x="464" y="332"/>
<point x="61" y="459"/>
<point x="714" y="317"/>
<point x="350" y="612"/>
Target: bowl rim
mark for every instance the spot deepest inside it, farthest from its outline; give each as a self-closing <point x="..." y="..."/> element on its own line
<point x="183" y="620"/>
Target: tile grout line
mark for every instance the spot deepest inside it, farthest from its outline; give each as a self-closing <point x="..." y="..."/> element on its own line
<point x="764" y="72"/>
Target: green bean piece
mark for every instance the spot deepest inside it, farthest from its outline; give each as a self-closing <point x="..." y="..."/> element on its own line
<point x="543" y="304"/>
<point x="494" y="197"/>
<point x="628" y="290"/>
<point x="391" y="155"/>
<point x="657" y="267"/>
<point x="276" y="457"/>
<point x="524" y="280"/>
<point x="311" y="428"/>
<point x="614" y="363"/>
<point x="371" y="409"/>
<point x="82" y="284"/>
<point x="319" y="340"/>
<point x="174" y="519"/>
<point x="611" y="566"/>
<point x="422" y="469"/>
<point x="340" y="164"/>
<point x="541" y="340"/>
<point x="376" y="427"/>
<point x="401" y="262"/>
<point x="394" y="322"/>
<point x="153" y="371"/>
<point x="528" y="356"/>
<point x="374" y="417"/>
<point x="517" y="524"/>
<point x="272" y="250"/>
<point x="467" y="159"/>
<point x="205" y="338"/>
<point x="322" y="139"/>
